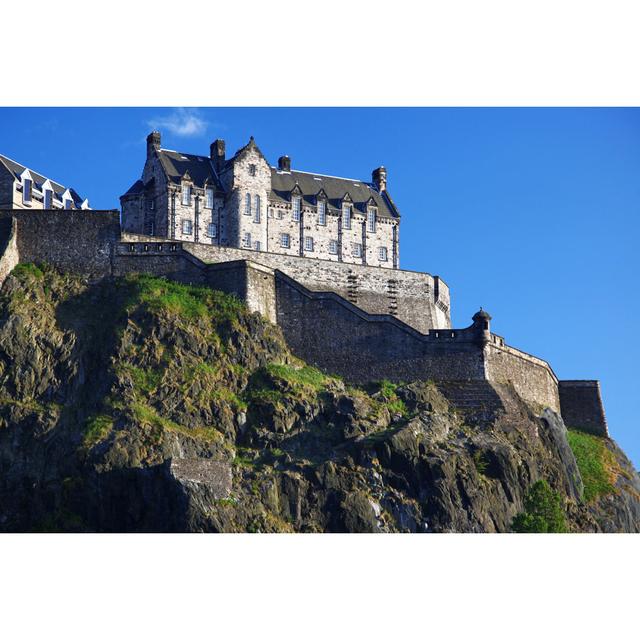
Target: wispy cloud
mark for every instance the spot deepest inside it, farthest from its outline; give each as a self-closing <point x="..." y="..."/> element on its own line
<point x="184" y="122"/>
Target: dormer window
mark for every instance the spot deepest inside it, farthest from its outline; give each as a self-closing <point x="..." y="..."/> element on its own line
<point x="322" y="212"/>
<point x="346" y="216"/>
<point x="371" y="219"/>
<point x="68" y="202"/>
<point x="48" y="199"/>
<point x="252" y="169"/>
<point x="297" y="207"/>
<point x="186" y="195"/>
<point x="247" y="205"/>
<point x="26" y="190"/>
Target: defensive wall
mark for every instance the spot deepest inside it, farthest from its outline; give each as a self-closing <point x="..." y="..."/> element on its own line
<point x="320" y="325"/>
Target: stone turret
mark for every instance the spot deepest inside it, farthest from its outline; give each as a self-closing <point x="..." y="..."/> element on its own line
<point x="482" y="325"/>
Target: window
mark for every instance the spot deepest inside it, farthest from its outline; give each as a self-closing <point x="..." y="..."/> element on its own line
<point x="212" y="230"/>
<point x="308" y="243"/>
<point x="247" y="205"/>
<point x="67" y="203"/>
<point x="246" y="241"/>
<point x="371" y="220"/>
<point x="48" y="199"/>
<point x="257" y="213"/>
<point x="382" y="254"/>
<point x="356" y="250"/>
<point x="270" y="212"/>
<point x="257" y="246"/>
<point x="280" y="214"/>
<point x="285" y="240"/>
<point x="187" y="227"/>
<point x="296" y="208"/>
<point x="346" y="216"/>
<point x="26" y="190"/>
<point x="322" y="212"/>
<point x="252" y="169"/>
<point x="186" y="195"/>
<point x="208" y="198"/>
<point x="333" y="247"/>
<point x="152" y="204"/>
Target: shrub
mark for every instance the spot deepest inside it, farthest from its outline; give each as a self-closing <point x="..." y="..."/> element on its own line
<point x="543" y="512"/>
<point x="596" y="464"/>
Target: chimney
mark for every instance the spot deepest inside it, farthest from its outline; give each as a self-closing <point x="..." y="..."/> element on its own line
<point x="216" y="153"/>
<point x="284" y="163"/>
<point x="153" y="142"/>
<point x="379" y="177"/>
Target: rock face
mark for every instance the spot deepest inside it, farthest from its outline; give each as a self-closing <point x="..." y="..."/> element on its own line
<point x="140" y="405"/>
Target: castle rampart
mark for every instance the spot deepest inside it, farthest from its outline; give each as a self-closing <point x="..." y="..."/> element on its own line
<point x="339" y="326"/>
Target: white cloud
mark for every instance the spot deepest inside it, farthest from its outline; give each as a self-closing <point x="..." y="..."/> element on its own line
<point x="182" y="122"/>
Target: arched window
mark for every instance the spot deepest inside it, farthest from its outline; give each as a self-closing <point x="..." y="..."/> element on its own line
<point x="256" y="215"/>
<point x="247" y="205"/>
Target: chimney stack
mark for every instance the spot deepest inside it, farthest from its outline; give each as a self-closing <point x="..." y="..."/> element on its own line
<point x="153" y="142"/>
<point x="284" y="163"/>
<point x="217" y="153"/>
<point x="379" y="177"/>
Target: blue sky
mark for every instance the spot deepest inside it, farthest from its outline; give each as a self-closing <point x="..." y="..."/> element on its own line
<point x="531" y="213"/>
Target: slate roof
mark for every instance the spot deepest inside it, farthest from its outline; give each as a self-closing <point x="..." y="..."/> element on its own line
<point x="283" y="182"/>
<point x="176" y="164"/>
<point x="17" y="169"/>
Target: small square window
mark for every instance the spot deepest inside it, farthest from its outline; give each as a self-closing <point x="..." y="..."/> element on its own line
<point x="252" y="169"/>
<point x="308" y="243"/>
<point x="333" y="247"/>
<point x="285" y="240"/>
<point x="187" y="227"/>
<point x="212" y="230"/>
<point x="246" y="241"/>
<point x="257" y="245"/>
<point x="382" y="254"/>
<point x="356" y="250"/>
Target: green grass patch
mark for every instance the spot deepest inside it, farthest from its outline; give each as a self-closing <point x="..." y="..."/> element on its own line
<point x="97" y="429"/>
<point x="26" y="270"/>
<point x="147" y="415"/>
<point x="596" y="463"/>
<point x="543" y="512"/>
<point x="305" y="376"/>
<point x="186" y="301"/>
<point x="394" y="404"/>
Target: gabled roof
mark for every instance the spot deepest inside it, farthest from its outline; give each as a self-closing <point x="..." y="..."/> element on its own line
<point x="199" y="168"/>
<point x="283" y="182"/>
<point x="17" y="169"/>
<point x="250" y="146"/>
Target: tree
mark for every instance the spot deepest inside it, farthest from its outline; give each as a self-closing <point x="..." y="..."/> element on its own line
<point x="543" y="512"/>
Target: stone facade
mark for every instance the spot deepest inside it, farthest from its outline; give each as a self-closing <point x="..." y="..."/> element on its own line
<point x="244" y="202"/>
<point x="582" y="406"/>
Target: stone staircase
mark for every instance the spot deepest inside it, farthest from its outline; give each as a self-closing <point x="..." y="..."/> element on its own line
<point x="471" y="395"/>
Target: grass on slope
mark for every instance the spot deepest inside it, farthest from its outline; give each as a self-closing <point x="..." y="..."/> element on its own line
<point x="596" y="463"/>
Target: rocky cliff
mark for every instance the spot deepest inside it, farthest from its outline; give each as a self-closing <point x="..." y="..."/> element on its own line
<point x="137" y="404"/>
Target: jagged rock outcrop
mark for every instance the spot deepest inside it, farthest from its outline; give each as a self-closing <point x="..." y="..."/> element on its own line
<point x="142" y="405"/>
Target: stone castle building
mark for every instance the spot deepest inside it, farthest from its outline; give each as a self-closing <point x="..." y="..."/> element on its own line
<point x="244" y="202"/>
<point x="23" y="188"/>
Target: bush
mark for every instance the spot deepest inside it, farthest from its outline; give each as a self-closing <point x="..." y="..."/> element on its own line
<point x="543" y="512"/>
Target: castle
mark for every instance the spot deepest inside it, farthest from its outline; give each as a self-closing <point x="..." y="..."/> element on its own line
<point x="342" y="303"/>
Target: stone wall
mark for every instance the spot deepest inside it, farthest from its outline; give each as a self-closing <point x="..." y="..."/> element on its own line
<point x="532" y="378"/>
<point x="582" y="406"/>
<point x="9" y="256"/>
<point x="75" y="241"/>
<point x="418" y="299"/>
